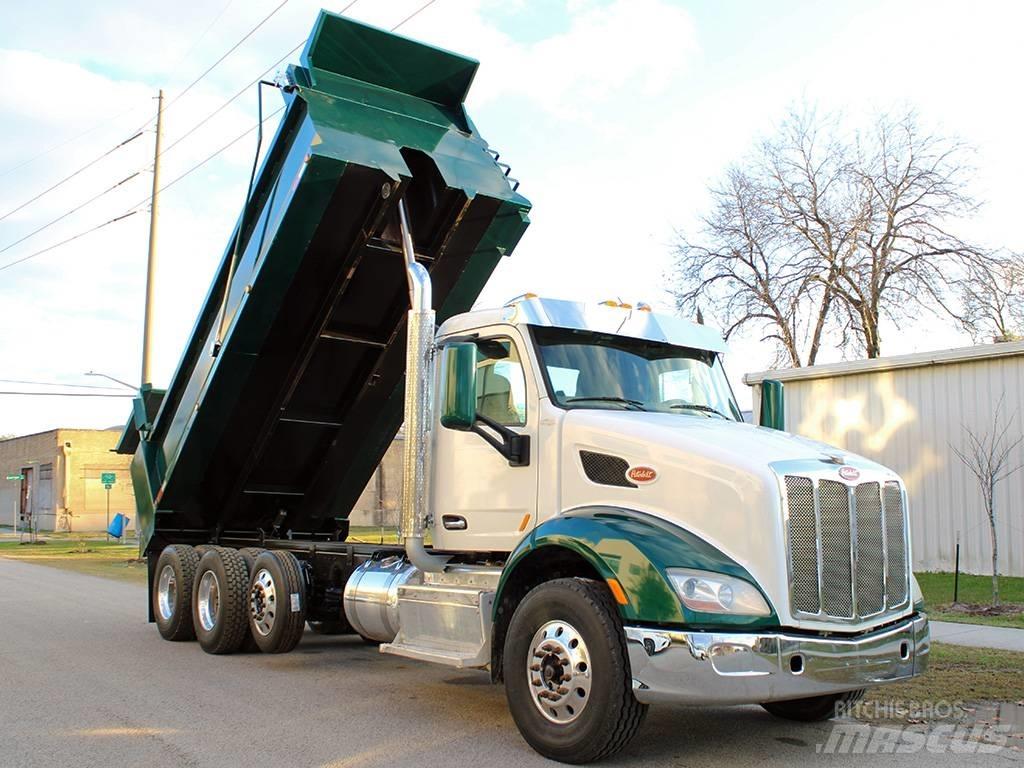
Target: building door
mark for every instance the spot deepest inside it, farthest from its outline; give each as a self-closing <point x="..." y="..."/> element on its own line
<point x="45" y="518"/>
<point x="25" y="504"/>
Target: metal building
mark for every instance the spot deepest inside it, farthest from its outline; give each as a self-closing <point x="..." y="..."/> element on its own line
<point x="56" y="480"/>
<point x="908" y="413"/>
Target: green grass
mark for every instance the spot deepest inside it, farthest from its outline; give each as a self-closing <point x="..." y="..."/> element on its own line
<point x="96" y="558"/>
<point x="974" y="590"/>
<point x="955" y="674"/>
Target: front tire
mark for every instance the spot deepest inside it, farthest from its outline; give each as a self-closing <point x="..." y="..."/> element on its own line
<point x="172" y="592"/>
<point x="277" y="602"/>
<point x="813" y="709"/>
<point x="567" y="676"/>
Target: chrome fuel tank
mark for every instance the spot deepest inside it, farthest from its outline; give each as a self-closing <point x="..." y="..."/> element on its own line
<point x="371" y="596"/>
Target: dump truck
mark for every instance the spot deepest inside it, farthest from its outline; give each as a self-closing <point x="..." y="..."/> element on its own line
<point x="584" y="512"/>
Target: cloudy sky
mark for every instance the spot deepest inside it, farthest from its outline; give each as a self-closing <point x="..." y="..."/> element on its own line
<point x="616" y="115"/>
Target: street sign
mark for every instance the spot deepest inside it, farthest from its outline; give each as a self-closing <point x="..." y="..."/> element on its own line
<point x="15" y="477"/>
<point x="108" y="478"/>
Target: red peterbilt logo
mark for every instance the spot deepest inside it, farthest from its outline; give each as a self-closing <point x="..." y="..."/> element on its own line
<point x="641" y="475"/>
<point x="849" y="473"/>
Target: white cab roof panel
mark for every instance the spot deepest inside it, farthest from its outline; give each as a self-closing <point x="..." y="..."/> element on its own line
<point x="600" y="318"/>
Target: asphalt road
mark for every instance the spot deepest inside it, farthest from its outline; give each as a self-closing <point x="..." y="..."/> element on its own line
<point x="85" y="681"/>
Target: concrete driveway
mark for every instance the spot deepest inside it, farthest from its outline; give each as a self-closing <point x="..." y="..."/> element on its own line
<point x="85" y="681"/>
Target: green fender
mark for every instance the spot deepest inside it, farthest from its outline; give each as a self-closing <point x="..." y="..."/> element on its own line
<point x="637" y="549"/>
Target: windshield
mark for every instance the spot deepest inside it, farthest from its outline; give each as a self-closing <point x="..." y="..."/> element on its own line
<point x="597" y="370"/>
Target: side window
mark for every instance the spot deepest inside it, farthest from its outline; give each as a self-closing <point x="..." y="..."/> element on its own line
<point x="500" y="383"/>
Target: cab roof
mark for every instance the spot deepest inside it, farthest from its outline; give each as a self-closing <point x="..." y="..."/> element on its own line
<point x="619" y="320"/>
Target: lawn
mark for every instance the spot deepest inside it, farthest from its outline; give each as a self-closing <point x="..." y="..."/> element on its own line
<point x="956" y="674"/>
<point x="96" y="558"/>
<point x="974" y="590"/>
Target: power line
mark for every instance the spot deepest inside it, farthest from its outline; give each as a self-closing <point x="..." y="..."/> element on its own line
<point x="68" y="240"/>
<point x="64" y="215"/>
<point x="72" y="175"/>
<point x="202" y="35"/>
<point x="242" y="92"/>
<point x="217" y="111"/>
<point x="135" y="209"/>
<point x="203" y="162"/>
<point x="67" y="394"/>
<point x="67" y="141"/>
<point x="227" y="53"/>
<point x="414" y="14"/>
<point x="138" y="207"/>
<point x="54" y="384"/>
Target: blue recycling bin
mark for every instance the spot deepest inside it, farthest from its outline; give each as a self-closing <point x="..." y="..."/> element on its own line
<point x="118" y="526"/>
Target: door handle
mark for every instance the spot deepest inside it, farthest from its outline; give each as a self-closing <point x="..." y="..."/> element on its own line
<point x="454" y="522"/>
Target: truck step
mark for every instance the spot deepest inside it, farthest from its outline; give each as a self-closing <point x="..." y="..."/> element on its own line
<point x="445" y="623"/>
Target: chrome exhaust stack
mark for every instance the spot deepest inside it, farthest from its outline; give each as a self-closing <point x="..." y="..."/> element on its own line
<point x="419" y="379"/>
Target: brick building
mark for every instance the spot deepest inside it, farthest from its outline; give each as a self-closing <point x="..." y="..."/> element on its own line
<point x="62" y="487"/>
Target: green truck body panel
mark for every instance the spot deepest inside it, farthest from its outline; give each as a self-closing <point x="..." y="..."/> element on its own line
<point x="637" y="549"/>
<point x="275" y="425"/>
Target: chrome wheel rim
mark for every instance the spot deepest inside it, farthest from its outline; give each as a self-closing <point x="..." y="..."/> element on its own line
<point x="208" y="603"/>
<point x="263" y="602"/>
<point x="558" y="670"/>
<point x="167" y="593"/>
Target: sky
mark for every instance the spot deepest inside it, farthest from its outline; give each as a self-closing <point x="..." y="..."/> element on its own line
<point x="616" y="115"/>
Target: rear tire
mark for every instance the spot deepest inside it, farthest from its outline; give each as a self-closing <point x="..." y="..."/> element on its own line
<point x="276" y="602"/>
<point x="249" y="555"/>
<point x="813" y="709"/>
<point x="172" y="592"/>
<point x="567" y="676"/>
<point x="219" y="601"/>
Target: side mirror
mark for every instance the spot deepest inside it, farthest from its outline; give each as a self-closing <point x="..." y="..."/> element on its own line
<point x="458" y="386"/>
<point x="773" y="406"/>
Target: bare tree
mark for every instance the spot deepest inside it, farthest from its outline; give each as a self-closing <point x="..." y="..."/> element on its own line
<point x="993" y="299"/>
<point x="987" y="455"/>
<point x="817" y="235"/>
<point x="906" y="258"/>
<point x="778" y="233"/>
<point x="744" y="277"/>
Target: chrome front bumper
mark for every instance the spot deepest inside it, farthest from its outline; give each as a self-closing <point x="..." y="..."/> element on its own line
<point x="744" y="668"/>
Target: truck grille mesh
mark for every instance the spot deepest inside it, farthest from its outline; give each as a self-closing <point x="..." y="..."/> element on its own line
<point x="896" y="553"/>
<point x="606" y="470"/>
<point x="847" y="548"/>
<point x="803" y="544"/>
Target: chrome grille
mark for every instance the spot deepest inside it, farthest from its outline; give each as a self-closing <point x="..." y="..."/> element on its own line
<point x="870" y="551"/>
<point x="836" y="570"/>
<point x="803" y="544"/>
<point x="847" y="548"/>
<point x="896" y="551"/>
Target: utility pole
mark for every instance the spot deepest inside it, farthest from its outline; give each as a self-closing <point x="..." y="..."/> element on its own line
<point x="147" y="327"/>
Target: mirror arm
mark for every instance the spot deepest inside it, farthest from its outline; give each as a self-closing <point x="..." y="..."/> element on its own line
<point x="512" y="445"/>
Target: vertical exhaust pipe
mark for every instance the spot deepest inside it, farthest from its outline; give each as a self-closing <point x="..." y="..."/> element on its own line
<point x="419" y="379"/>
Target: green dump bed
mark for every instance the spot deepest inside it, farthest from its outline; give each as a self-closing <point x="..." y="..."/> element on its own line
<point x="290" y="389"/>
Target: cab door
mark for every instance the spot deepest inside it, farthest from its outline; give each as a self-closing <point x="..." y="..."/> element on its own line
<point x="479" y="501"/>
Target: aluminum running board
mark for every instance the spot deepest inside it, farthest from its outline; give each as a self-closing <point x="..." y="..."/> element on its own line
<point x="444" y="623"/>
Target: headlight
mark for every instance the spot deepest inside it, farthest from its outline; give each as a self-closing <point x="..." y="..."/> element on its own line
<point x="716" y="593"/>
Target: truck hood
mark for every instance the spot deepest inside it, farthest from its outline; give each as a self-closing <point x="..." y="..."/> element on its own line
<point x="719" y="479"/>
<point x="738" y="443"/>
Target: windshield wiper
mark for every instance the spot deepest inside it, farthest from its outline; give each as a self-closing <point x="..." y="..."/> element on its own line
<point x="637" y="404"/>
<point x="701" y="408"/>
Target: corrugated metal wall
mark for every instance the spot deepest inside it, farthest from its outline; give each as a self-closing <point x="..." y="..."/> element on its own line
<point x="908" y="419"/>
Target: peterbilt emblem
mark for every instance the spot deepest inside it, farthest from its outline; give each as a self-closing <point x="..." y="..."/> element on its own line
<point x="849" y="473"/>
<point x="641" y="475"/>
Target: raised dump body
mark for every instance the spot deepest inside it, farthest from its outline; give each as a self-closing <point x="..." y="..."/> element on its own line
<point x="290" y="388"/>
